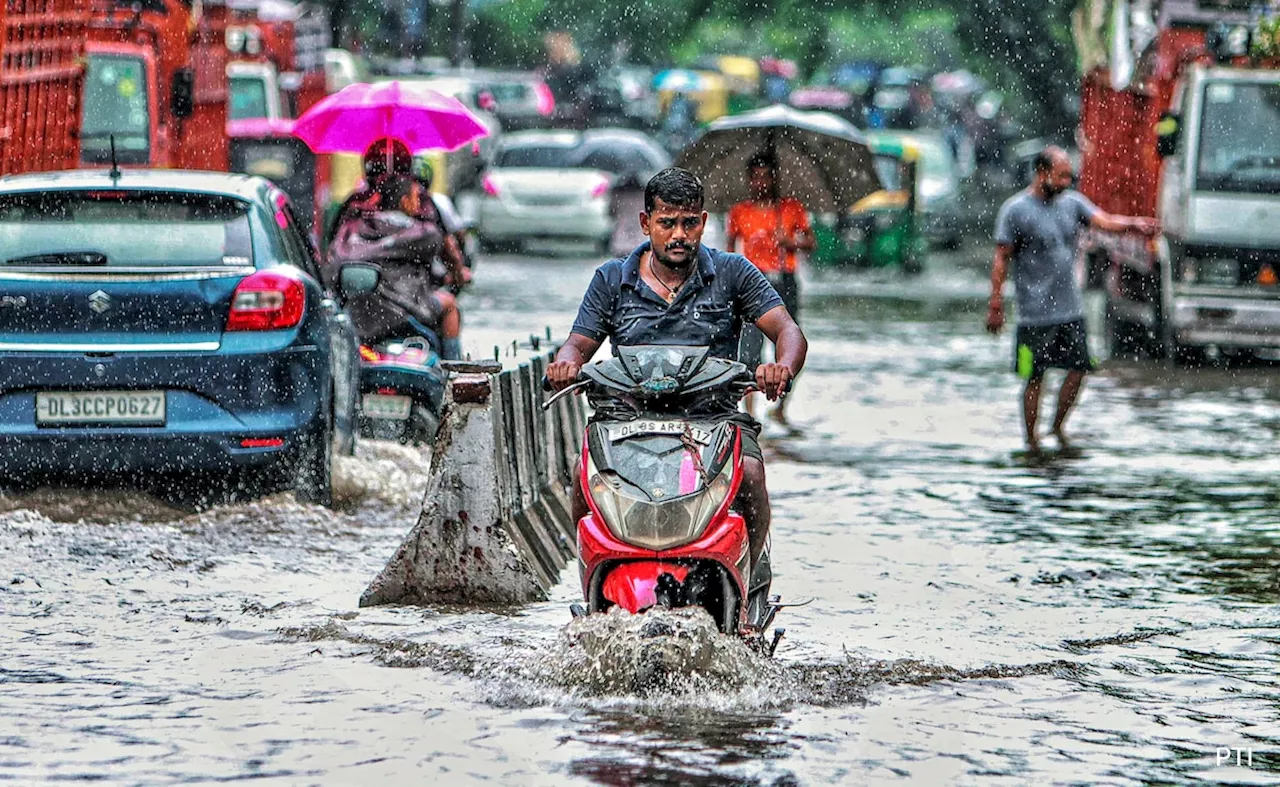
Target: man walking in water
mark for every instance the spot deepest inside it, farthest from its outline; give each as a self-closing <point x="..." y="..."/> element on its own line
<point x="1036" y="234"/>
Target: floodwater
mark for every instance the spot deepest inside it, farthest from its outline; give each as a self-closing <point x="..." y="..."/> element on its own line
<point x="1101" y="617"/>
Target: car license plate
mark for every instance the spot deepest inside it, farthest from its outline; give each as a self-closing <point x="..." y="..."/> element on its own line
<point x="392" y="408"/>
<point x="135" y="408"/>
<point x="632" y="428"/>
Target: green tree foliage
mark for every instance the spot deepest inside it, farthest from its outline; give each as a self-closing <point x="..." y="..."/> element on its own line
<point x="1028" y="46"/>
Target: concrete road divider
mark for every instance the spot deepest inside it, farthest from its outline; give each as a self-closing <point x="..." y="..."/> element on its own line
<point x="495" y="524"/>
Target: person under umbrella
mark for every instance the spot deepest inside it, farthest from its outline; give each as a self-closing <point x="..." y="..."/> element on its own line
<point x="769" y="231"/>
<point x="392" y="221"/>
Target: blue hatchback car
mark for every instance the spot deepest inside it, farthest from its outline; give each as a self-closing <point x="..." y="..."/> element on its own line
<point x="168" y="322"/>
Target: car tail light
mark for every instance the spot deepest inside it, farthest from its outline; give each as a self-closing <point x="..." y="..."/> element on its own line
<point x="262" y="442"/>
<point x="369" y="354"/>
<point x="490" y="186"/>
<point x="1267" y="276"/>
<point x="387" y="391"/>
<point x="600" y="189"/>
<point x="546" y="99"/>
<point x="267" y="301"/>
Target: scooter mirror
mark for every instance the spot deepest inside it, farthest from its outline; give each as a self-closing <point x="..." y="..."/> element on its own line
<point x="358" y="278"/>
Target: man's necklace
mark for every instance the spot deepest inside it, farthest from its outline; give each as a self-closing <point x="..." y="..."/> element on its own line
<point x="671" y="293"/>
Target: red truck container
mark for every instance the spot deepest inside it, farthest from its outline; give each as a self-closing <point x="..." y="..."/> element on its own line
<point x="41" y="83"/>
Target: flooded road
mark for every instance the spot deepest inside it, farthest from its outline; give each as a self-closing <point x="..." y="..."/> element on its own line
<point x="1104" y="617"/>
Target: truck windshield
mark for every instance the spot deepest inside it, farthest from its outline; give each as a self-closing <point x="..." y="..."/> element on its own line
<point x="129" y="228"/>
<point x="248" y="98"/>
<point x="116" y="105"/>
<point x="1240" y="138"/>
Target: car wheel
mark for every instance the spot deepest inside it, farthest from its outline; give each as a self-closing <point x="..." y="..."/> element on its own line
<point x="313" y="469"/>
<point x="344" y="441"/>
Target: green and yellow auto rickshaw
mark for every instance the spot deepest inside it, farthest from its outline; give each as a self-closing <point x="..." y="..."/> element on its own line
<point x="881" y="230"/>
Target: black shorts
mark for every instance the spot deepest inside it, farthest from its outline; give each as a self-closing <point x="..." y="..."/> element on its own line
<point x="749" y="428"/>
<point x="751" y="346"/>
<point x="1061" y="346"/>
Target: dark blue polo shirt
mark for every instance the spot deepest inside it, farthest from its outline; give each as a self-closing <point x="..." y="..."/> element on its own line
<point x="724" y="291"/>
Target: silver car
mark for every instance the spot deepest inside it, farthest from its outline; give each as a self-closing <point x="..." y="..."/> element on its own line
<point x="560" y="184"/>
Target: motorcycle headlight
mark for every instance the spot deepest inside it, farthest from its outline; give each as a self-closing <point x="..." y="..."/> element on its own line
<point x="663" y="525"/>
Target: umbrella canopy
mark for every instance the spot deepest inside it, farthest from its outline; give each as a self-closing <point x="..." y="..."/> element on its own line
<point x="352" y="119"/>
<point x="823" y="160"/>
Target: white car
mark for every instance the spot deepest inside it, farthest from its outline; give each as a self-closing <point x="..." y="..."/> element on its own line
<point x="559" y="184"/>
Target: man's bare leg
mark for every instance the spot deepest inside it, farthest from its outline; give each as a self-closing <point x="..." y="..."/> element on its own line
<point x="753" y="504"/>
<point x="1031" y="412"/>
<point x="1066" y="400"/>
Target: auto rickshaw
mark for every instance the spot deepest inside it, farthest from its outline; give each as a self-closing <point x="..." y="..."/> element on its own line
<point x="742" y="78"/>
<point x="707" y="90"/>
<point x="881" y="230"/>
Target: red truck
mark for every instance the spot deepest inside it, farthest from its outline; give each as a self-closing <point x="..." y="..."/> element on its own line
<point x="42" y="47"/>
<point x="1193" y="138"/>
<point x="276" y="72"/>
<point x="78" y="74"/>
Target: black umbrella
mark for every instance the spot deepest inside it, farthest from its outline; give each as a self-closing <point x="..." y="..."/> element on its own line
<point x="823" y="160"/>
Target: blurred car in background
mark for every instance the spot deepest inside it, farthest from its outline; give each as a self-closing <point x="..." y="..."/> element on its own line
<point x="937" y="183"/>
<point x="560" y="184"/>
<point x="520" y="100"/>
<point x="460" y="170"/>
<point x="165" y="323"/>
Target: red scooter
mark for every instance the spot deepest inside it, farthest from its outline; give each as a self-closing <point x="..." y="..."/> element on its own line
<point x="661" y="469"/>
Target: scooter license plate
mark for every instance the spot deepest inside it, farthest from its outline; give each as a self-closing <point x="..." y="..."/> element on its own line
<point x="392" y="408"/>
<point x="634" y="428"/>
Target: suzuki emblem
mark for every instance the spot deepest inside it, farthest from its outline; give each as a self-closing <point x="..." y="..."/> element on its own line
<point x="99" y="302"/>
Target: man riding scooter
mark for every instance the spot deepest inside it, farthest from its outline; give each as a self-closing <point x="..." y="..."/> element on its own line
<point x="671" y="290"/>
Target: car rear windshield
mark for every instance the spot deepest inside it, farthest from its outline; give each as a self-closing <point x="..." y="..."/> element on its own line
<point x="123" y="228"/>
<point x="540" y="156"/>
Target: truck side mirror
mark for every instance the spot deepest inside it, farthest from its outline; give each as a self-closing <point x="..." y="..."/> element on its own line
<point x="183" y="98"/>
<point x="1168" y="132"/>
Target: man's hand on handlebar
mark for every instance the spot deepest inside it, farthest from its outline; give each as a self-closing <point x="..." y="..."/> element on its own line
<point x="773" y="379"/>
<point x="563" y="374"/>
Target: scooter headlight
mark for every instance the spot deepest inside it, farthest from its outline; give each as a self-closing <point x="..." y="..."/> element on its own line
<point x="659" y="525"/>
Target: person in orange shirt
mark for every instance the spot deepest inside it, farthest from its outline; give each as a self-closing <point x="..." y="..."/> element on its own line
<point x="769" y="232"/>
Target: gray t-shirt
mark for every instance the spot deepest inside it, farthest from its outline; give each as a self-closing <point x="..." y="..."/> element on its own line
<point x="1042" y="236"/>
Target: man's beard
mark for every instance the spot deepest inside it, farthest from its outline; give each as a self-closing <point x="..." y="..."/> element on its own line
<point x="677" y="265"/>
<point x="1051" y="192"/>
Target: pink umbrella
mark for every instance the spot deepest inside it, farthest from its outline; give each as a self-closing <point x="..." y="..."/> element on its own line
<point x="352" y="119"/>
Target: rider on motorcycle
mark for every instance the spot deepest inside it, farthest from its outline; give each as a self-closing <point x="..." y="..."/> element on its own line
<point x="407" y="301"/>
<point x="672" y="290"/>
<point x="369" y="214"/>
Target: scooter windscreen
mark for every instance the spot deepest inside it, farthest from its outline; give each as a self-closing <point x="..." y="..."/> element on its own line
<point x="658" y="484"/>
